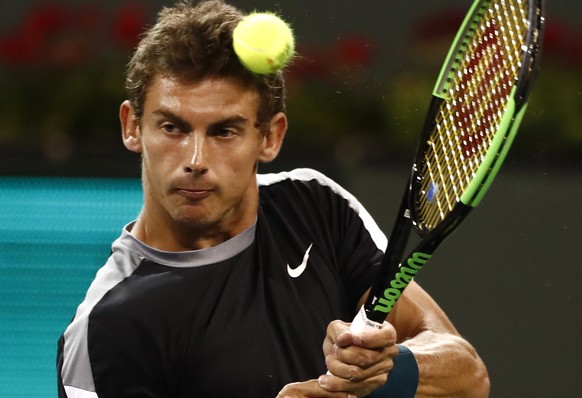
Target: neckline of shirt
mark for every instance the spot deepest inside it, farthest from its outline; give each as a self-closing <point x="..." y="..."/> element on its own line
<point x="187" y="259"/>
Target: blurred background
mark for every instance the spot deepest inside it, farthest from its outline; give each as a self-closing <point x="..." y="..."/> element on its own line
<point x="357" y="95"/>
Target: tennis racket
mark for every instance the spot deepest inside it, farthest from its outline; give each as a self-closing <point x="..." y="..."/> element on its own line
<point x="477" y="105"/>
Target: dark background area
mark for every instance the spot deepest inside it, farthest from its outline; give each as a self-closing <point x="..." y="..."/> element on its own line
<point x="508" y="278"/>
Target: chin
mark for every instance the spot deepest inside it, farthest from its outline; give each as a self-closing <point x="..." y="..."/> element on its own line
<point x="194" y="220"/>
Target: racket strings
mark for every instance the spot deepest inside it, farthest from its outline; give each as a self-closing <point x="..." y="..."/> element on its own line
<point x="481" y="82"/>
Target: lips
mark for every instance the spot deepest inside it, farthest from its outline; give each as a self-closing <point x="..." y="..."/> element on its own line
<point x="194" y="194"/>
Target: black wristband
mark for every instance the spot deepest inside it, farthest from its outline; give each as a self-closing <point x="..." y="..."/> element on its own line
<point x="403" y="378"/>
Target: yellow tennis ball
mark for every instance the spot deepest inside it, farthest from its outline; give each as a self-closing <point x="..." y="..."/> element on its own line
<point x="263" y="42"/>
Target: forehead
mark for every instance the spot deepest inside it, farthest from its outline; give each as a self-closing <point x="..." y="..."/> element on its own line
<point x="223" y="95"/>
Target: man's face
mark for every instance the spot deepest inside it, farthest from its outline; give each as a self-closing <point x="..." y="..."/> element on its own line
<point x="200" y="145"/>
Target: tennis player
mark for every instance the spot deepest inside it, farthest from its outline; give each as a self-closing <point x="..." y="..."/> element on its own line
<point x="229" y="282"/>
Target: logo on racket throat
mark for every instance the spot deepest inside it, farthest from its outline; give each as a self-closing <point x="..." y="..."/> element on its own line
<point x="432" y="192"/>
<point x="402" y="278"/>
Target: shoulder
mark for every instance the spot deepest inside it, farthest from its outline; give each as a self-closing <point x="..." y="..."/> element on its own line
<point x="310" y="192"/>
<point x="310" y="179"/>
<point x="303" y="174"/>
<point x="75" y="366"/>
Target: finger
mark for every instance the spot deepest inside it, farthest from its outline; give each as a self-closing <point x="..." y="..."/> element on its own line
<point x="337" y="335"/>
<point x="376" y="338"/>
<point x="360" y="388"/>
<point x="379" y="365"/>
<point x="362" y="358"/>
<point x="309" y="389"/>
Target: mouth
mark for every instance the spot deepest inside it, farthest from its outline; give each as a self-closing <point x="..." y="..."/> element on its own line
<point x="194" y="194"/>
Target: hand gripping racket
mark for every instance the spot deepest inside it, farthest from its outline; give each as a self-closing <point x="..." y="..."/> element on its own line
<point x="478" y="102"/>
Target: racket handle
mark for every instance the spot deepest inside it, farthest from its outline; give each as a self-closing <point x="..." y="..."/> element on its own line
<point x="361" y="323"/>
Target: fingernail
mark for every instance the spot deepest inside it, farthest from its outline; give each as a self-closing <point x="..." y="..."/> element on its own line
<point x="352" y="396"/>
<point x="322" y="380"/>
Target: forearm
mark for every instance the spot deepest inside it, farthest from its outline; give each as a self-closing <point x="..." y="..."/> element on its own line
<point x="448" y="366"/>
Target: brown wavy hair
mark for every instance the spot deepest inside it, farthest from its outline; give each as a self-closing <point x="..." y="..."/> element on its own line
<point x="194" y="42"/>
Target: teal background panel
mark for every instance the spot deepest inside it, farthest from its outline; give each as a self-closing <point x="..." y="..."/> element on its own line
<point x="55" y="233"/>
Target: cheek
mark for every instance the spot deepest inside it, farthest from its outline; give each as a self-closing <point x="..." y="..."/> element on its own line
<point x="157" y="167"/>
<point x="245" y="166"/>
<point x="239" y="156"/>
<point x="236" y="169"/>
<point x="150" y="163"/>
<point x="161" y="155"/>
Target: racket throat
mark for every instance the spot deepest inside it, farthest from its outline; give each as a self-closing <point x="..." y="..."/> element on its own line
<point x="385" y="293"/>
<point x="383" y="304"/>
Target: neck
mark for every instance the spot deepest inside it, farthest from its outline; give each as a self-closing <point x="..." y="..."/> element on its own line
<point x="184" y="237"/>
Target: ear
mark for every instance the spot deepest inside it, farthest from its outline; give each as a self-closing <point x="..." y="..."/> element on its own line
<point x="130" y="131"/>
<point x="273" y="138"/>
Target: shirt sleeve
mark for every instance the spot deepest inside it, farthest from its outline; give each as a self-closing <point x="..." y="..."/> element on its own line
<point x="358" y="242"/>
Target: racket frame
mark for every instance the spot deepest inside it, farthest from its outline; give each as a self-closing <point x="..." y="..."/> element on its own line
<point x="388" y="285"/>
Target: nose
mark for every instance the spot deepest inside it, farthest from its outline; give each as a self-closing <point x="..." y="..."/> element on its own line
<point x="196" y="163"/>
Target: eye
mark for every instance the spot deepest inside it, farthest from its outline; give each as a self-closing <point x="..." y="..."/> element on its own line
<point x="223" y="132"/>
<point x="170" y="128"/>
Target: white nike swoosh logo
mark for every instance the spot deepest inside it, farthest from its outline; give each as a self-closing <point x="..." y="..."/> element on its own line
<point x="295" y="272"/>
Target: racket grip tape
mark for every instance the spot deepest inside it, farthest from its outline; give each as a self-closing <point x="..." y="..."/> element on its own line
<point x="361" y="323"/>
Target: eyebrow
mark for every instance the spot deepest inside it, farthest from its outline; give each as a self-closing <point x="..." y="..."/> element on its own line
<point x="177" y="120"/>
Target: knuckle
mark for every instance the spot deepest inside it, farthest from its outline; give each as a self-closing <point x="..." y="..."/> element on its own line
<point x="382" y="379"/>
<point x="353" y="374"/>
<point x="336" y="325"/>
<point x="365" y="358"/>
<point x="376" y="382"/>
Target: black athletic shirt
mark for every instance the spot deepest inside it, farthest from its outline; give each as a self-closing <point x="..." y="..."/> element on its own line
<point x="240" y="319"/>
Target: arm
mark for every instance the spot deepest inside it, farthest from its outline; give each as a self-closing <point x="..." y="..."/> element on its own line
<point x="358" y="364"/>
<point x="448" y="365"/>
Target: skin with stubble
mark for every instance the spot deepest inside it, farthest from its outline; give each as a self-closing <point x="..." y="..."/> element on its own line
<point x="200" y="144"/>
